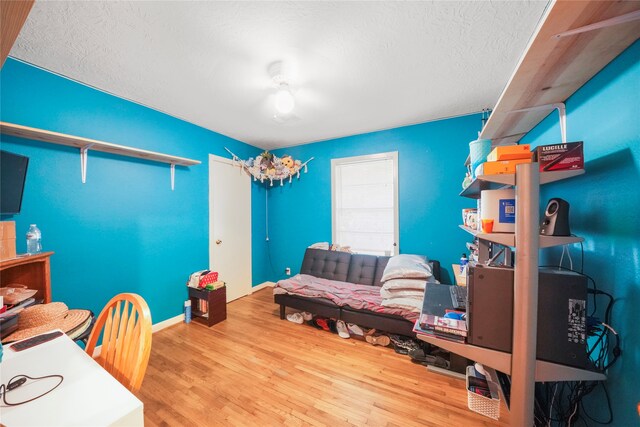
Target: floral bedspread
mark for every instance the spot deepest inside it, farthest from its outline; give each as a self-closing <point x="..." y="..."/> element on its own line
<point x="360" y="297"/>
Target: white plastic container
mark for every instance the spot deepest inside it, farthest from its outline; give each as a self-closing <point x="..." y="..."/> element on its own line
<point x="500" y="206"/>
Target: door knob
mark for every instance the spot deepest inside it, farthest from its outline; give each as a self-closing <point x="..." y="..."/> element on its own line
<point x="218" y="241"/>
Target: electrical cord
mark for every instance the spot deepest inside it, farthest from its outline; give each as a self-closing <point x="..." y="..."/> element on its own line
<point x="20" y="380"/>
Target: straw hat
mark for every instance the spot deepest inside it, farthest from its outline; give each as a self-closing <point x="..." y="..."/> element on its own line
<point x="41" y="318"/>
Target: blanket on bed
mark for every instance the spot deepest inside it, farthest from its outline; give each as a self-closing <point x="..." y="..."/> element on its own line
<point x="359" y="297"/>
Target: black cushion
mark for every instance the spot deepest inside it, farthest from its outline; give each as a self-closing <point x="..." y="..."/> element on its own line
<point x="362" y="269"/>
<point x="332" y="265"/>
<point x="382" y="263"/>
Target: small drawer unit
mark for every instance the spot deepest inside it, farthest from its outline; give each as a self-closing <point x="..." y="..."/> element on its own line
<point x="208" y="307"/>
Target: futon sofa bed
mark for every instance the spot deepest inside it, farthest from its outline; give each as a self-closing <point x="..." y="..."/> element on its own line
<point x="352" y="268"/>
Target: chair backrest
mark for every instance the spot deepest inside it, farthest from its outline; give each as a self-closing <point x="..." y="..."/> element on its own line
<point x="125" y="326"/>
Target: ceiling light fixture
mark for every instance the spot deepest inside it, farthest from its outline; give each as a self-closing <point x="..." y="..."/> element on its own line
<point x="284" y="99"/>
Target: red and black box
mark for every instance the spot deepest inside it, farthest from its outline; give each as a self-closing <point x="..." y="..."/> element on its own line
<point x="556" y="157"/>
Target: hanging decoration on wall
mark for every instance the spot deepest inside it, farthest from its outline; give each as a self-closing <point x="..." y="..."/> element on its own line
<point x="269" y="167"/>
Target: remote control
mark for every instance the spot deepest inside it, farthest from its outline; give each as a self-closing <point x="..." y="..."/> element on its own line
<point x="33" y="341"/>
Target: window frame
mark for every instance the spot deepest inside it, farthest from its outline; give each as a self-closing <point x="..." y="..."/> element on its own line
<point x="390" y="155"/>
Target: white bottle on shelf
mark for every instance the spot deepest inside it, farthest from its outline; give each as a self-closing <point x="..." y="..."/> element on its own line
<point x="34" y="240"/>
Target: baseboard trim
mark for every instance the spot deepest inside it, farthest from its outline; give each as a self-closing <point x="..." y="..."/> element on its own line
<point x="262" y="286"/>
<point x="154" y="328"/>
<point x="166" y="323"/>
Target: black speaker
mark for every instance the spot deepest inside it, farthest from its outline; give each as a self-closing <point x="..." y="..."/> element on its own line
<point x="556" y="218"/>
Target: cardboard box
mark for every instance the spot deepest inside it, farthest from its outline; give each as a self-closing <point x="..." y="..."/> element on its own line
<point x="7" y="240"/>
<point x="558" y="157"/>
<point x="510" y="152"/>
<point x="7" y="249"/>
<point x="503" y="166"/>
<point x="7" y="230"/>
<point x="500" y="206"/>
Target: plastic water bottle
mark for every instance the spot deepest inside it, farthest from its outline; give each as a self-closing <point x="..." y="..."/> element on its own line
<point x="34" y="240"/>
<point x="463" y="262"/>
<point x="187" y="311"/>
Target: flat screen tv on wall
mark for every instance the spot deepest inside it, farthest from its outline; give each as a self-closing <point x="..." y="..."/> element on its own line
<point x="13" y="172"/>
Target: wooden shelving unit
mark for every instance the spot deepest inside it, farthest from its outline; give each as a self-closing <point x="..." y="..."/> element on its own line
<point x="553" y="68"/>
<point x="34" y="271"/>
<point x="86" y="144"/>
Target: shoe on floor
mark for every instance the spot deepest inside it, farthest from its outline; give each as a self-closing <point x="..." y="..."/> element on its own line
<point x="343" y="332"/>
<point x="379" y="339"/>
<point x="323" y="323"/>
<point x="355" y="329"/>
<point x="313" y="323"/>
<point x="332" y="325"/>
<point x="295" y="318"/>
<point x="306" y="316"/>
<point x="402" y="344"/>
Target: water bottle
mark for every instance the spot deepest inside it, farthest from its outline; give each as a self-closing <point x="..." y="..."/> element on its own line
<point x="34" y="240"/>
<point x="187" y="311"/>
<point x="463" y="262"/>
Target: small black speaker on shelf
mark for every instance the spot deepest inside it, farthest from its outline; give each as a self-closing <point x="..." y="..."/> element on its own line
<point x="556" y="218"/>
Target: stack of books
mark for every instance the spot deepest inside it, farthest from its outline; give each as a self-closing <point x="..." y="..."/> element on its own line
<point x="442" y="327"/>
<point x="215" y="285"/>
<point x="203" y="306"/>
<point x="9" y="316"/>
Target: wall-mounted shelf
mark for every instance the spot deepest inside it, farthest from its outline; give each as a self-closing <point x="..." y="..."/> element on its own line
<point x="558" y="61"/>
<point x="509" y="239"/>
<point x="86" y="144"/>
<point x="495" y="182"/>
<point x="501" y="361"/>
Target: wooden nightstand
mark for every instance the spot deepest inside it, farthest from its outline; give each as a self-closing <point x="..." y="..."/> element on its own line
<point x="216" y="305"/>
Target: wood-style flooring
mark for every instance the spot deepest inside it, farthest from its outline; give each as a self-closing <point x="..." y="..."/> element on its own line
<point x="254" y="369"/>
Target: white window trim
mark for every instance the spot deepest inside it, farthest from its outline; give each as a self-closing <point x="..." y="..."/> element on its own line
<point x="393" y="155"/>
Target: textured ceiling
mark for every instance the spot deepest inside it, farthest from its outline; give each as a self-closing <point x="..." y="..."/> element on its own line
<point x="354" y="66"/>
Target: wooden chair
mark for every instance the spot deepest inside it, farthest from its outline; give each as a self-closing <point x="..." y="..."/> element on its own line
<point x="125" y="326"/>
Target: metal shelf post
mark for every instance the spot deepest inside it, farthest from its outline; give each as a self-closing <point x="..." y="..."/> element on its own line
<point x="525" y="295"/>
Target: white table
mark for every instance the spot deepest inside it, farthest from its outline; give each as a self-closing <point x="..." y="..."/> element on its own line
<point x="88" y="395"/>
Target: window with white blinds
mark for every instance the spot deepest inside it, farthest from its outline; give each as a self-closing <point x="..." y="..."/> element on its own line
<point x="365" y="203"/>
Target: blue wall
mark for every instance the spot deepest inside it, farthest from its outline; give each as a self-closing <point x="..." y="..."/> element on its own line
<point x="124" y="230"/>
<point x="605" y="203"/>
<point x="430" y="160"/>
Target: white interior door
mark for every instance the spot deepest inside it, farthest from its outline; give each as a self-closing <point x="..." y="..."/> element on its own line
<point x="230" y="225"/>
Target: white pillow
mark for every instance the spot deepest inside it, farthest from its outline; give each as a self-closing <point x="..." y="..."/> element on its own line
<point x="407" y="266"/>
<point x="402" y="293"/>
<point x="406" y="284"/>
<point x="409" y="304"/>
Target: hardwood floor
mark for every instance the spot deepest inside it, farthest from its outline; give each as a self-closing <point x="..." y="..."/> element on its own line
<point x="255" y="369"/>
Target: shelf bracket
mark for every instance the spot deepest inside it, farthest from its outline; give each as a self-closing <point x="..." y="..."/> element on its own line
<point x="562" y="112"/>
<point x="173" y="176"/>
<point x="83" y="161"/>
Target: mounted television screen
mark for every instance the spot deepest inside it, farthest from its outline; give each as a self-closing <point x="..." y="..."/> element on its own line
<point x="13" y="171"/>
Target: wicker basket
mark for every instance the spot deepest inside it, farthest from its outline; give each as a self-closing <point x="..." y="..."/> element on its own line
<point x="489" y="407"/>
